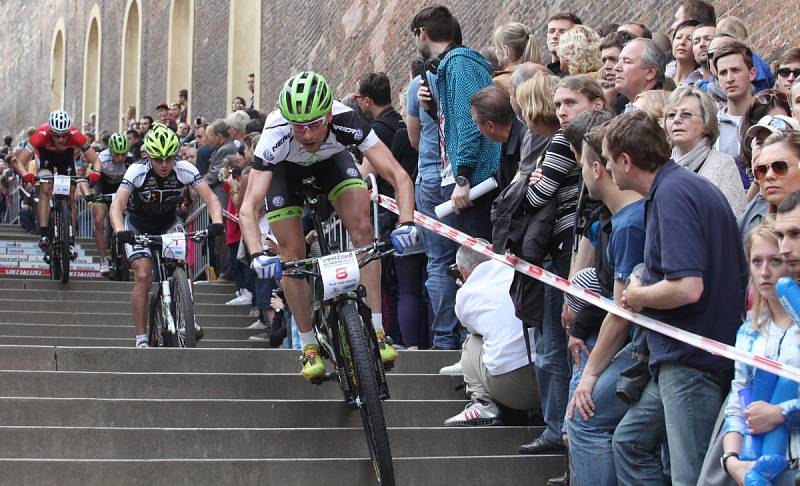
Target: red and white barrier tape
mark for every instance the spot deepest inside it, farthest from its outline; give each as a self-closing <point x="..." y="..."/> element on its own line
<point x="706" y="344"/>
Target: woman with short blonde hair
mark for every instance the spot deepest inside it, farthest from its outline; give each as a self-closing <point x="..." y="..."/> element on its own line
<point x="579" y="49"/>
<point x="535" y="98"/>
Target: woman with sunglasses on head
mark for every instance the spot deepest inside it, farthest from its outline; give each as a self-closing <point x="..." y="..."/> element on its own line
<point x="768" y="332"/>
<point x="690" y="118"/>
<point x="767" y="102"/>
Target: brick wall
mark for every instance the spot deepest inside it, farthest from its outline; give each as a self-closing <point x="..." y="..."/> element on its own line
<point x="342" y="39"/>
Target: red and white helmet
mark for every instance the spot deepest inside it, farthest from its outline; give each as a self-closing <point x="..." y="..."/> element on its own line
<point x="60" y="121"/>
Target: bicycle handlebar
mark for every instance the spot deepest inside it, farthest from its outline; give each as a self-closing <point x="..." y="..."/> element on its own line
<point x="48" y="178"/>
<point x="147" y="239"/>
<point x="376" y="249"/>
<point x="98" y="197"/>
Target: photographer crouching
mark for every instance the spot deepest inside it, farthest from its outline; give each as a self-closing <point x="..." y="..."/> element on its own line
<point x="495" y="358"/>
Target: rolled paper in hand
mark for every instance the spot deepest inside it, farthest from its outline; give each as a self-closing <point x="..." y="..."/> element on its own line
<point x="484" y="187"/>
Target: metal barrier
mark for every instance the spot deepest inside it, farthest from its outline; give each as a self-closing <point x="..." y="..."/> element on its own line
<point x="13" y="201"/>
<point x="198" y="220"/>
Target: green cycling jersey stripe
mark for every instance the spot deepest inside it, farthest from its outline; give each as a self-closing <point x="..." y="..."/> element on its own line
<point x="339" y="188"/>
<point x="284" y="213"/>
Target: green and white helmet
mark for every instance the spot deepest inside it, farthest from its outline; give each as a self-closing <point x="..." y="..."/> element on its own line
<point x="118" y="143"/>
<point x="161" y="142"/>
<point x="305" y="97"/>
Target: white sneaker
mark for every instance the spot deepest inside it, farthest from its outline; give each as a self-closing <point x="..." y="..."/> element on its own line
<point x="243" y="297"/>
<point x="476" y="413"/>
<point x="104" y="268"/>
<point x="257" y="326"/>
<point x="262" y="337"/>
<point x="454" y="369"/>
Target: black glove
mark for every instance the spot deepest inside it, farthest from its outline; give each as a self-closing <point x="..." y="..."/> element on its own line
<point x="125" y="236"/>
<point x="215" y="229"/>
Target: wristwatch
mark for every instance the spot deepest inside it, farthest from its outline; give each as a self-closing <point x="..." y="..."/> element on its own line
<point x="724" y="460"/>
<point x="461" y="181"/>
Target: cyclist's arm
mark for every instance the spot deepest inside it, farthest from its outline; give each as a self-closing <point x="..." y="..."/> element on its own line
<point x="21" y="162"/>
<point x="92" y="157"/>
<point x="117" y="206"/>
<point x="257" y="187"/>
<point x="387" y="167"/>
<point x="211" y="200"/>
<point x="237" y="201"/>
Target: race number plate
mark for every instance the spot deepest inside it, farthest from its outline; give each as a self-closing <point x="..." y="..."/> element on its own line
<point x="340" y="274"/>
<point x="61" y="185"/>
<point x="173" y="245"/>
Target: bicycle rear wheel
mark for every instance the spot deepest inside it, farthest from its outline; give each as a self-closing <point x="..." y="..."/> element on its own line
<point x="183" y="309"/>
<point x="366" y="383"/>
<point x="63" y="243"/>
<point x="155" y="326"/>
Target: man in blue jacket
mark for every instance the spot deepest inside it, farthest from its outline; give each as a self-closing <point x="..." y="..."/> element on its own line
<point x="468" y="157"/>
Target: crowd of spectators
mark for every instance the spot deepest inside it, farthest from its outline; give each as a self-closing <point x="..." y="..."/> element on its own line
<point x="646" y="166"/>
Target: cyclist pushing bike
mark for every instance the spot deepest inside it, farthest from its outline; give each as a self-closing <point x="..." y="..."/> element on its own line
<point x="151" y="191"/>
<point x="307" y="137"/>
<point x="56" y="144"/>
<point x="114" y="162"/>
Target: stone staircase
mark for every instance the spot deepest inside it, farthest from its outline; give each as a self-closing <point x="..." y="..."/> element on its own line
<point x="20" y="255"/>
<point x="80" y="406"/>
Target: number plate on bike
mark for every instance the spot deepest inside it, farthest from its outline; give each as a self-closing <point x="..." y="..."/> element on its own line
<point x="61" y="185"/>
<point x="173" y="245"/>
<point x="340" y="273"/>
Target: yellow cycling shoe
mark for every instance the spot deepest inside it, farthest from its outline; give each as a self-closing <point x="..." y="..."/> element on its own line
<point x="312" y="365"/>
<point x="388" y="353"/>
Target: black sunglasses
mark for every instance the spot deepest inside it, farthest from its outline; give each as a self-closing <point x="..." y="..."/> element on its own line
<point x="779" y="168"/>
<point x="786" y="72"/>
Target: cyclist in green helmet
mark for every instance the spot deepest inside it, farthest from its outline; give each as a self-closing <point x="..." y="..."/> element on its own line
<point x="150" y="193"/>
<point x="307" y="137"/>
<point x="114" y="161"/>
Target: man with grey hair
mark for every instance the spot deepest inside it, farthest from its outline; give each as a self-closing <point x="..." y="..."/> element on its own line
<point x="495" y="359"/>
<point x="640" y="68"/>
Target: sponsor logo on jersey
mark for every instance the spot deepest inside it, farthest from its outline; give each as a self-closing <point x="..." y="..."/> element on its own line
<point x="352" y="172"/>
<point x="281" y="141"/>
<point x="269" y="156"/>
<point x="278" y="201"/>
<point x="357" y="133"/>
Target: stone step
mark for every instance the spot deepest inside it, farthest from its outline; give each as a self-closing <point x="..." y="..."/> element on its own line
<point x="121" y="318"/>
<point x="110" y="331"/>
<point x="114" y="295"/>
<point x="120" y="342"/>
<point x="439" y="471"/>
<point x="217" y="287"/>
<point x="97" y="305"/>
<point x="127" y="359"/>
<point x="289" y="386"/>
<point x="221" y="413"/>
<point x="157" y="443"/>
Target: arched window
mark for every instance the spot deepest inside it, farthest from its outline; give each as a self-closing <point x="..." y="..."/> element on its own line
<point x="57" y="63"/>
<point x="179" y="60"/>
<point x="131" y="57"/>
<point x="244" y="49"/>
<point x="91" y="69"/>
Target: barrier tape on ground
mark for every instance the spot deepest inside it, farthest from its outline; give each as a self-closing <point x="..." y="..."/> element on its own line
<point x="706" y="344"/>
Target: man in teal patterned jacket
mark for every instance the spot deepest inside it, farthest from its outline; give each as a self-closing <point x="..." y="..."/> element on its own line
<point x="468" y="157"/>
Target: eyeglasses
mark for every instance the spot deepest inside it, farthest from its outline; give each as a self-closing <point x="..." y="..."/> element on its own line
<point x="60" y="136"/>
<point x="786" y="72"/>
<point x="684" y="115"/>
<point x="360" y="97"/>
<point x="779" y="168"/>
<point x="310" y="126"/>
<point x="765" y="97"/>
<point x="160" y="160"/>
<point x="416" y="31"/>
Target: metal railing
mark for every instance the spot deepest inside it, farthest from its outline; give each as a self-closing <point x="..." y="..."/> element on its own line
<point x="14" y="201"/>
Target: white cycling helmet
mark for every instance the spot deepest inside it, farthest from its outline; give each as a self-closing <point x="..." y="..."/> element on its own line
<point x="60" y="121"/>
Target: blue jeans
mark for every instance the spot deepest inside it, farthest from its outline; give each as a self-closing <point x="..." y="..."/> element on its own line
<point x="680" y="404"/>
<point x="441" y="253"/>
<point x="590" y="453"/>
<point x="552" y="363"/>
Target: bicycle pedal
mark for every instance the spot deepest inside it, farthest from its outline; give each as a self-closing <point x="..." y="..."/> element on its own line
<point x="388" y="366"/>
<point x="332" y="376"/>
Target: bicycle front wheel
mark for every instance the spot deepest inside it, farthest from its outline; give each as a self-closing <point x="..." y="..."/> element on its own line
<point x="366" y="384"/>
<point x="63" y="238"/>
<point x="183" y="309"/>
<point x="155" y="326"/>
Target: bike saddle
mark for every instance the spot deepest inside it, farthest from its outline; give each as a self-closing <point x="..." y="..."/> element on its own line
<point x="309" y="187"/>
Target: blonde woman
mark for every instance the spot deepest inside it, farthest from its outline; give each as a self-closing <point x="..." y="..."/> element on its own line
<point x="579" y="50"/>
<point x="513" y="44"/>
<point x="690" y="119"/>
<point x="652" y="102"/>
<point x="769" y="332"/>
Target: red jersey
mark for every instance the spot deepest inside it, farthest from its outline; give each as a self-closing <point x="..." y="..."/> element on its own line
<point x="51" y="157"/>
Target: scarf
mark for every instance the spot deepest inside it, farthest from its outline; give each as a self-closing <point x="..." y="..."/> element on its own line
<point x="694" y="159"/>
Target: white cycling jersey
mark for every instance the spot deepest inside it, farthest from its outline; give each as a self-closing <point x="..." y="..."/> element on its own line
<point x="278" y="144"/>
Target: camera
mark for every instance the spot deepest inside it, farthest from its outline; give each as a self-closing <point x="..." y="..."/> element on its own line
<point x="632" y="382"/>
<point x="452" y="272"/>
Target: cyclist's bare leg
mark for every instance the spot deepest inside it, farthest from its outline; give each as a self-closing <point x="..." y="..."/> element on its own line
<point x="99" y="213"/>
<point x="43" y="205"/>
<point x="143" y="279"/>
<point x="292" y="243"/>
<point x="353" y="208"/>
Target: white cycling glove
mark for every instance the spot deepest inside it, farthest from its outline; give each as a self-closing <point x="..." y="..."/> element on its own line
<point x="404" y="236"/>
<point x="266" y="266"/>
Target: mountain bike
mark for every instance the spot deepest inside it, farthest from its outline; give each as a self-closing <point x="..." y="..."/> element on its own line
<point x="343" y="327"/>
<point x="60" y="238"/>
<point x="120" y="270"/>
<point x="171" y="321"/>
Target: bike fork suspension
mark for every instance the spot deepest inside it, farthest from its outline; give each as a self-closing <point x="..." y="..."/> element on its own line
<point x="166" y="302"/>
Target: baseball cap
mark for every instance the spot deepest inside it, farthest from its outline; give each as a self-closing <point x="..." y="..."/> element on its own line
<point x="163" y="104"/>
<point x="770" y="124"/>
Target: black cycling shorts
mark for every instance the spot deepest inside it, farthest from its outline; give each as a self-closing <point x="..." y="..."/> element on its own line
<point x="104" y="187"/>
<point x="335" y="175"/>
<point x="135" y="224"/>
<point x="62" y="162"/>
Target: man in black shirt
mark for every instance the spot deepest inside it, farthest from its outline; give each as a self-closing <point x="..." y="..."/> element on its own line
<point x="556" y="26"/>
